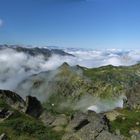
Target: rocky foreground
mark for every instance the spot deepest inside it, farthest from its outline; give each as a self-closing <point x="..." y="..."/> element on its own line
<point x="24" y="120"/>
<point x="57" y="107"/>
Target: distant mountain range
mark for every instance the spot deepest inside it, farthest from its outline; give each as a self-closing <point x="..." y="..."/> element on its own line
<point x="34" y="51"/>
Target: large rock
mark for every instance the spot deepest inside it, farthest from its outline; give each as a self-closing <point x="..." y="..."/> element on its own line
<point x="5" y="114"/>
<point x="90" y="126"/>
<point x="33" y="107"/>
<point x="47" y="118"/>
<point x="3" y="137"/>
<point x="112" y="115"/>
<point x="12" y="99"/>
<point x="76" y="120"/>
<point x="133" y="96"/>
<point x="135" y="134"/>
<point x="59" y="122"/>
<point x="105" y="135"/>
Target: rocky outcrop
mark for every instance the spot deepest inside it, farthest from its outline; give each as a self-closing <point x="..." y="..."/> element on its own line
<point x="5" y="114"/>
<point x="3" y="136"/>
<point x="59" y="122"/>
<point x="135" y="134"/>
<point x="47" y="118"/>
<point x="56" y="122"/>
<point x="112" y="115"/>
<point x="105" y="135"/>
<point x="12" y="99"/>
<point x="33" y="107"/>
<point x="89" y="126"/>
<point x="133" y="96"/>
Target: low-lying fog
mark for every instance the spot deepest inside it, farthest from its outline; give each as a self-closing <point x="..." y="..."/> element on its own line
<point x="17" y="66"/>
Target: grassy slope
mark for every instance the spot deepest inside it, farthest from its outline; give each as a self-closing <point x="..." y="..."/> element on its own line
<point x="131" y="117"/>
<point x="23" y="127"/>
<point x="106" y="82"/>
<point x="113" y="81"/>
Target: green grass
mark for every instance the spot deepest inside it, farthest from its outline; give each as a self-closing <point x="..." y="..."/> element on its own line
<point x="57" y="109"/>
<point x="23" y="127"/>
<point x="132" y="116"/>
<point x="3" y="104"/>
<point x="111" y="80"/>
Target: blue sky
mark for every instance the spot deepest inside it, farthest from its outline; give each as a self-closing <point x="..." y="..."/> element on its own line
<point x="71" y="23"/>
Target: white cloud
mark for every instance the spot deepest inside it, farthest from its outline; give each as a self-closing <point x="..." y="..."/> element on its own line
<point x="99" y="58"/>
<point x="16" y="66"/>
<point x="106" y="105"/>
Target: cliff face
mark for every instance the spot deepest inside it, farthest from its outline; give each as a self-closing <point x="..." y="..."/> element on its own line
<point x="12" y="99"/>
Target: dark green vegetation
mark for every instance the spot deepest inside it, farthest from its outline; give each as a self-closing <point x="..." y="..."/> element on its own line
<point x="127" y="120"/>
<point x="20" y="126"/>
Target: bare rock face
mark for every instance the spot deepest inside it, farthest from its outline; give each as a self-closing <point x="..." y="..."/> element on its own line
<point x="105" y="135"/>
<point x="112" y="115"/>
<point x="3" y="137"/>
<point x="47" y="118"/>
<point x="135" y="134"/>
<point x="33" y="107"/>
<point x="76" y="120"/>
<point x="133" y="97"/>
<point x="12" y="99"/>
<point x="90" y="126"/>
<point x="59" y="122"/>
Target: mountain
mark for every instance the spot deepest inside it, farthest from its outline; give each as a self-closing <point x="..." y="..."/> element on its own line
<point x="79" y="87"/>
<point x="70" y="102"/>
<point x="34" y="51"/>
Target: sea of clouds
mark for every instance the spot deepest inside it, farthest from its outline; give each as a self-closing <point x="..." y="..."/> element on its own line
<point x="17" y="66"/>
<point x="97" y="58"/>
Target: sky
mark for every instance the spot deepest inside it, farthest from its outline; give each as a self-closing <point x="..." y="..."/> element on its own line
<point x="92" y="24"/>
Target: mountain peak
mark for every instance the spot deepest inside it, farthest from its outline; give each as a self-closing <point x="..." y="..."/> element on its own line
<point x="64" y="65"/>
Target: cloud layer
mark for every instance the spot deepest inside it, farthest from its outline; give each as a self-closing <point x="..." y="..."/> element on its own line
<point x="97" y="58"/>
<point x="16" y="66"/>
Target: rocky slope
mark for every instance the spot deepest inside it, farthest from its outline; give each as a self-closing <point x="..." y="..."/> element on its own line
<point x="22" y="123"/>
<point x="33" y="121"/>
<point x="75" y="103"/>
<point x="104" y="88"/>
